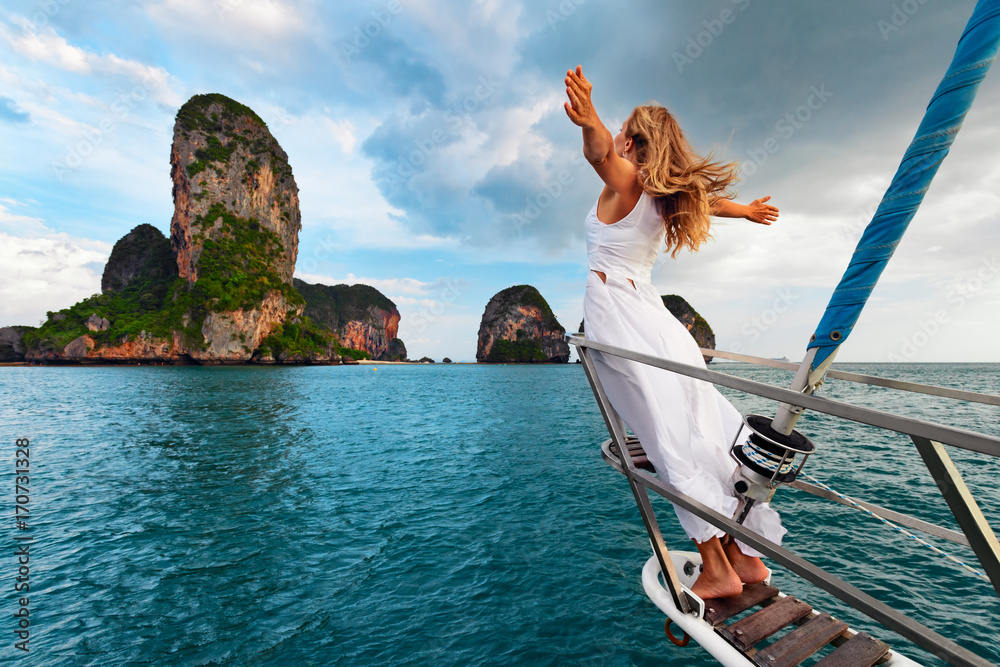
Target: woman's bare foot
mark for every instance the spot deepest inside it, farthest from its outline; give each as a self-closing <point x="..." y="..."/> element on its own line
<point x="724" y="586"/>
<point x="718" y="579"/>
<point x="749" y="569"/>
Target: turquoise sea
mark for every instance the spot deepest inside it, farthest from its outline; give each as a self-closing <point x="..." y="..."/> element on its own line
<point x="415" y="515"/>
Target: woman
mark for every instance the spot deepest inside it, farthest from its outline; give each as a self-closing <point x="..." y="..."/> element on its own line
<point x="656" y="188"/>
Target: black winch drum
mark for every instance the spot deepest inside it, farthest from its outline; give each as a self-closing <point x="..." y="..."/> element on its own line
<point x="768" y="456"/>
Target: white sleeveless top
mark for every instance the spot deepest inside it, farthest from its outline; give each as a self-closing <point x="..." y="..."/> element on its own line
<point x="628" y="247"/>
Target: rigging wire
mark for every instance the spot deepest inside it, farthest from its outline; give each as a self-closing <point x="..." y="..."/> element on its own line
<point x="918" y="540"/>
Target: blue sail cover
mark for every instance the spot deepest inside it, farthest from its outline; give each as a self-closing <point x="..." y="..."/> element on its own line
<point x="975" y="53"/>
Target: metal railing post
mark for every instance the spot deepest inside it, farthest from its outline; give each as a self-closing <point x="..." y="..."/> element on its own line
<point x="616" y="427"/>
<point x="970" y="518"/>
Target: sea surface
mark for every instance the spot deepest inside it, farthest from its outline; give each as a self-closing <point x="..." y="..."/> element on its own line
<point x="417" y="515"/>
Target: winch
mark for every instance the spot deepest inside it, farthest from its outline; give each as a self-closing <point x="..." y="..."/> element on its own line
<point x="767" y="458"/>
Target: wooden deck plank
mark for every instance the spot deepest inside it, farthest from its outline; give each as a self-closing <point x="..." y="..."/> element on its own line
<point x="762" y="624"/>
<point x="718" y="610"/>
<point x="801" y="643"/>
<point x="643" y="462"/>
<point x="639" y="458"/>
<point x="862" y="650"/>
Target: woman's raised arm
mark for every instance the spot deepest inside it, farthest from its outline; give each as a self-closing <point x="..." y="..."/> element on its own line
<point x="617" y="173"/>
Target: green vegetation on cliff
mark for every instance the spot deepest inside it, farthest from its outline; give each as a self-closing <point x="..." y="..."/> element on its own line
<point x="397" y="350"/>
<point x="518" y="325"/>
<point x="682" y="310"/>
<point x="145" y="253"/>
<point x="336" y="305"/>
<point x="215" y="152"/>
<point x="146" y="304"/>
<point x="223" y="121"/>
<point x="142" y="293"/>
<point x="298" y="337"/>
<point x="237" y="269"/>
<point x="333" y="306"/>
<point x="523" y="349"/>
<point x="191" y="116"/>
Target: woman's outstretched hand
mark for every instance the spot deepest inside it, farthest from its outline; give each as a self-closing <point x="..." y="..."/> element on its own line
<point x="579" y="108"/>
<point x="760" y="212"/>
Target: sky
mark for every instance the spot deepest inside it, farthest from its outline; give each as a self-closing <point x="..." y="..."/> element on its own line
<point x="435" y="161"/>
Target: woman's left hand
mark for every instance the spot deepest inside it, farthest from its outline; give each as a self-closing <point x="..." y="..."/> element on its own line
<point x="760" y="212"/>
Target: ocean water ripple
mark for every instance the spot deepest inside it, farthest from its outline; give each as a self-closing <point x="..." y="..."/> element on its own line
<point x="419" y="515"/>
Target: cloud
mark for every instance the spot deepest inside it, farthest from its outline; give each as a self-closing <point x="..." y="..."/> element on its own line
<point x="11" y="113"/>
<point x="344" y="133"/>
<point x="48" y="271"/>
<point x="405" y="71"/>
<point x="443" y="140"/>
<point x="20" y="224"/>
<point x="251" y="23"/>
<point x="47" y="46"/>
<point x="384" y="285"/>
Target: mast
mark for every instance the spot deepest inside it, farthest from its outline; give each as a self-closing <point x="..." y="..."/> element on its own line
<point x="976" y="51"/>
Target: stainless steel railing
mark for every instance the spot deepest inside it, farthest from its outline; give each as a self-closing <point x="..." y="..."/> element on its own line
<point x="928" y="437"/>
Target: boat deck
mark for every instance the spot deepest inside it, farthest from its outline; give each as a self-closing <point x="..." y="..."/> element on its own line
<point x="808" y="631"/>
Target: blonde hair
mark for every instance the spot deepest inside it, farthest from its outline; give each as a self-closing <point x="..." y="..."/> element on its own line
<point x="683" y="183"/>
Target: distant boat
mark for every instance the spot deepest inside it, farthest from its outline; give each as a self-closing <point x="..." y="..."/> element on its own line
<point x="779" y="358"/>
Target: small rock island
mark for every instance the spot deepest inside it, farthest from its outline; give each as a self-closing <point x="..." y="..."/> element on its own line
<point x="519" y="326"/>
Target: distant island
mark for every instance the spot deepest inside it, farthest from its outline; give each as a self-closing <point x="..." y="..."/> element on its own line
<point x="519" y="326"/>
<point x="220" y="290"/>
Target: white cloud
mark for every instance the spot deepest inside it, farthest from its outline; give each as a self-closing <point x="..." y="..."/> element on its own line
<point x="254" y="23"/>
<point x="47" y="46"/>
<point x="19" y="224"/>
<point x="343" y="132"/>
<point x="411" y="301"/>
<point x="385" y="285"/>
<point x="44" y="273"/>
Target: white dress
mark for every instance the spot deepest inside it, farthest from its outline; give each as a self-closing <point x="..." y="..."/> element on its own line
<point x="685" y="425"/>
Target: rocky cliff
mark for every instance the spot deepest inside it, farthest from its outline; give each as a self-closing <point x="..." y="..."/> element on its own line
<point x="360" y="316"/>
<point x="518" y="325"/>
<point x="143" y="254"/>
<point x="11" y="344"/>
<point x="220" y="291"/>
<point x="690" y="318"/>
<point x="224" y="159"/>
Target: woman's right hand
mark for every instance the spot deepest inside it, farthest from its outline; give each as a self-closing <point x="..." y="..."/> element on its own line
<point x="580" y="109"/>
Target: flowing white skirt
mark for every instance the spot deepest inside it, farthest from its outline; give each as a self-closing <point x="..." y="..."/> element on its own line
<point x="685" y="425"/>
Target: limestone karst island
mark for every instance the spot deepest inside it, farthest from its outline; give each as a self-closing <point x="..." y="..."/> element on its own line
<point x="220" y="290"/>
